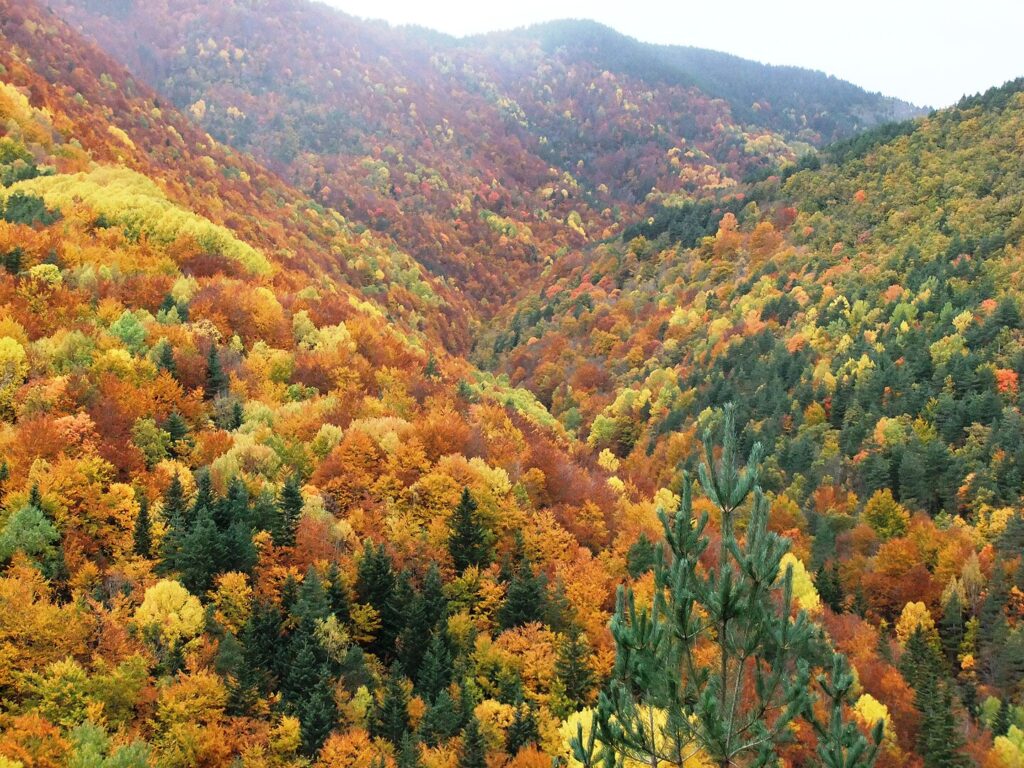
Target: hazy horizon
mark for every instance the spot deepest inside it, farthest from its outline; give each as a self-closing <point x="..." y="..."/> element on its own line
<point x="930" y="54"/>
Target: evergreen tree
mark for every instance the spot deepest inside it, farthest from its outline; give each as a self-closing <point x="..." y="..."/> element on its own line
<point x="312" y="604"/>
<point x="178" y="429"/>
<point x="522" y="731"/>
<point x="574" y="671"/>
<point x="469" y="542"/>
<point x="391" y="715"/>
<point x="830" y="587"/>
<point x="435" y="671"/>
<point x="165" y="359"/>
<point x="473" y="752"/>
<point x="290" y="504"/>
<point x="262" y="644"/>
<point x="640" y="558"/>
<point x="763" y="647"/>
<point x="526" y="599"/>
<point x="939" y="739"/>
<point x="408" y="752"/>
<point x="951" y="626"/>
<point x="174" y="513"/>
<point x="317" y="713"/>
<point x="337" y="594"/>
<point x="441" y="721"/>
<point x="216" y="379"/>
<point x="201" y="556"/>
<point x="143" y="535"/>
<point x="204" y="494"/>
<point x="376" y="585"/>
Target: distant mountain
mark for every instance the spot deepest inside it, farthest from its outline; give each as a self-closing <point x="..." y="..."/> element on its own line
<point x="484" y="157"/>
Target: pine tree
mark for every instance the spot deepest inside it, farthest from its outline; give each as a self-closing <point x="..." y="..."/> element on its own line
<point x="143" y="535"/>
<point x="201" y="556"/>
<point x="469" y="542"/>
<point x="204" y="495"/>
<point x="312" y="604"/>
<point x="435" y="671"/>
<point x="290" y="504"/>
<point x="573" y="669"/>
<point x="441" y="721"/>
<point x="763" y="647"/>
<point x="939" y="739"/>
<point x="526" y="599"/>
<point x="317" y="713"/>
<point x="165" y="359"/>
<point x="216" y="379"/>
<point x="337" y="594"/>
<point x="391" y="715"/>
<point x="408" y="752"/>
<point x="174" y="513"/>
<point x="375" y="586"/>
<point x="830" y="587"/>
<point x="178" y="429"/>
<point x="262" y="644"/>
<point x="522" y="731"/>
<point x="473" y="752"/>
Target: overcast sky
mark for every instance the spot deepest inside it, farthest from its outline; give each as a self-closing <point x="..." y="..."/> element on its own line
<point x="930" y="52"/>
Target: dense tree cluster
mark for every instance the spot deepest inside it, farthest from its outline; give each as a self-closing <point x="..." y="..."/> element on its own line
<point x="255" y="512"/>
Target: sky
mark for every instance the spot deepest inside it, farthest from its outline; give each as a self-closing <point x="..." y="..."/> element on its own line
<point x="928" y="52"/>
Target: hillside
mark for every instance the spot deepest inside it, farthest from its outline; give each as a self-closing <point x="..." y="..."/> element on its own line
<point x="210" y="381"/>
<point x="261" y="508"/>
<point x="865" y="317"/>
<point x="500" y="152"/>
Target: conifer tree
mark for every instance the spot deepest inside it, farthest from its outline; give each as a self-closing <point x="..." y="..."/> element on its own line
<point x="143" y="535"/>
<point x="377" y="585"/>
<point x="408" y="752"/>
<point x="573" y="669"/>
<point x="522" y="731"/>
<point x="318" y="713"/>
<point x="435" y="671"/>
<point x="391" y="715"/>
<point x="526" y="599"/>
<point x="441" y="721"/>
<point x="469" y="542"/>
<point x="473" y="752"/>
<point x="939" y="741"/>
<point x="290" y="504"/>
<point x="177" y="428"/>
<point x="165" y="359"/>
<point x="736" y="710"/>
<point x="216" y="379"/>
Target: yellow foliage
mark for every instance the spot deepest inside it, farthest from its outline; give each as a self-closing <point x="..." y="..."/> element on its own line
<point x="914" y="615"/>
<point x="870" y="710"/>
<point x="171" y="611"/>
<point x="585" y="718"/>
<point x="233" y="599"/>
<point x="804" y="592"/>
<point x="133" y="201"/>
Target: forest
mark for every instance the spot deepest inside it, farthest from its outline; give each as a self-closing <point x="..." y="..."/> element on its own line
<point x="382" y="400"/>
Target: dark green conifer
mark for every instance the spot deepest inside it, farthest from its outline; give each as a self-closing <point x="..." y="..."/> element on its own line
<point x="216" y="379"/>
<point x="473" y="751"/>
<point x="574" y="670"/>
<point x="143" y="534"/>
<point x="522" y="731"/>
<point x="391" y="715"/>
<point x="165" y="359"/>
<point x="469" y="542"/>
<point x="290" y="504"/>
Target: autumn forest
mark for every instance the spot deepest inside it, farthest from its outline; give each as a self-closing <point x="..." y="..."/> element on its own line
<point x="373" y="398"/>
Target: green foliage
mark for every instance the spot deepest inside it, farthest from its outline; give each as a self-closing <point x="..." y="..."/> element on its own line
<point x="22" y="208"/>
<point x="745" y="610"/>
<point x="470" y="543"/>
